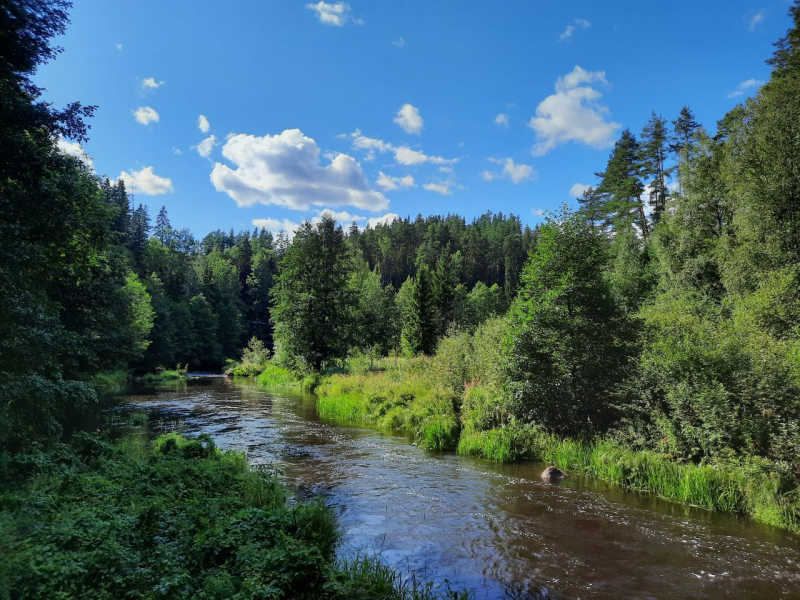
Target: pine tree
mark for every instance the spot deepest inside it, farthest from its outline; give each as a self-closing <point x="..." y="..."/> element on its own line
<point x="443" y="287"/>
<point x="621" y="185"/>
<point x="138" y="233"/>
<point x="163" y="228"/>
<point x="786" y="58"/>
<point x="682" y="141"/>
<point x="419" y="328"/>
<point x="311" y="296"/>
<point x="654" y="147"/>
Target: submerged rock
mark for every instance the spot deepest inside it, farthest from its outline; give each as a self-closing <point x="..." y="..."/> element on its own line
<point x="553" y="474"/>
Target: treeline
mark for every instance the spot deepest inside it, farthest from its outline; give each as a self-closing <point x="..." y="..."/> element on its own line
<point x="664" y="311"/>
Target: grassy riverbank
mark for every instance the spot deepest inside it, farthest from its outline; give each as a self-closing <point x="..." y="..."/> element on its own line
<point x="176" y="518"/>
<point x="415" y="396"/>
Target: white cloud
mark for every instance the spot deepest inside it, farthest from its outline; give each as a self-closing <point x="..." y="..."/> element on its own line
<point x="151" y="84"/>
<point x="146" y="115"/>
<point x="538" y="212"/>
<point x="205" y="147"/>
<point x="578" y="77"/>
<point x="409" y="119"/>
<point x="76" y="150"/>
<point x="144" y="181"/>
<point x="577" y="189"/>
<point x="402" y="154"/>
<point x="275" y="226"/>
<point x="119" y="47"/>
<point x="511" y="170"/>
<point x="399" y="42"/>
<point x="389" y="183"/>
<point x="343" y="217"/>
<point x="177" y="150"/>
<point x="285" y="170"/>
<point x="333" y="13"/>
<point x="745" y="86"/>
<point x="501" y="120"/>
<point x="202" y="124"/>
<point x="386" y="219"/>
<point x="567" y="34"/>
<point x="573" y="114"/>
<point x="439" y="188"/>
<point x="755" y="20"/>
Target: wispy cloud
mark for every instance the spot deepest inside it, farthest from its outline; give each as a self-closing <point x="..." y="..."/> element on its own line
<point x="755" y="20"/>
<point x="334" y="13"/>
<point x="516" y="172"/>
<point x="566" y="35"/>
<point x="403" y="155"/>
<point x="399" y="42"/>
<point x="502" y="120"/>
<point x="409" y="119"/>
<point x="146" y="115"/>
<point x="745" y="87"/>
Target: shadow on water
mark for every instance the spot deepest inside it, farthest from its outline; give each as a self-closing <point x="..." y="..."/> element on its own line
<point x="496" y="530"/>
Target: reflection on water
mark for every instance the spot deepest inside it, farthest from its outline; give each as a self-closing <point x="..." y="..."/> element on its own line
<point x="497" y="530"/>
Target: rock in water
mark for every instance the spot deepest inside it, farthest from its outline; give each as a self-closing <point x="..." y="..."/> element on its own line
<point x="553" y="474"/>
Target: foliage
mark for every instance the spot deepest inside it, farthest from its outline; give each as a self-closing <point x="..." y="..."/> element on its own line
<point x="178" y="518"/>
<point x="565" y="347"/>
<point x="312" y="301"/>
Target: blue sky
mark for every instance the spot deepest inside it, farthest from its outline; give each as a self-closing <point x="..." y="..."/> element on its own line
<point x="369" y="108"/>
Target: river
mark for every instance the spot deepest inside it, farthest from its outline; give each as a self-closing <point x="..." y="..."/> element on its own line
<point x="496" y="530"/>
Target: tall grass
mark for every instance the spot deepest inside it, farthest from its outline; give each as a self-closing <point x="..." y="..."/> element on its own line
<point x="395" y="400"/>
<point x="275" y="376"/>
<point x="752" y="487"/>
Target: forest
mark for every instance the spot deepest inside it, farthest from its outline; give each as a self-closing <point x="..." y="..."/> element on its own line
<point x="657" y="320"/>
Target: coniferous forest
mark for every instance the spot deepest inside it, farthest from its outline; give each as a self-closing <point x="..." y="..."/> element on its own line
<point x="648" y="335"/>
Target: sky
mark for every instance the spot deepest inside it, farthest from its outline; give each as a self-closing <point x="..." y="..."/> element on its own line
<point x="269" y="112"/>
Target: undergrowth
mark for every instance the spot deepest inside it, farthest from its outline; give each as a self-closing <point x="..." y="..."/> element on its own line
<point x="177" y="518"/>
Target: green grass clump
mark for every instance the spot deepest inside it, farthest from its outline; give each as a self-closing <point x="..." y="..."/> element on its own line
<point x="110" y="380"/>
<point x="761" y="489"/>
<point x="164" y="375"/>
<point x="394" y="400"/>
<point x="275" y="376"/>
<point x="177" y="518"/>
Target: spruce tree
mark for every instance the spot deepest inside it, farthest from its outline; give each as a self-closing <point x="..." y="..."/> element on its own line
<point x="621" y="184"/>
<point x="419" y="328"/>
<point x="654" y="146"/>
<point x="163" y="228"/>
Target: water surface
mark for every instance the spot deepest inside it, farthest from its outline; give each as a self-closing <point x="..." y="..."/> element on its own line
<point x="496" y="530"/>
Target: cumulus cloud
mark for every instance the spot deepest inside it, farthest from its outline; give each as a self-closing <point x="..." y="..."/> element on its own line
<point x="177" y="150"/>
<point x="746" y="86"/>
<point x="333" y="13"/>
<point x="343" y="217"/>
<point x="145" y="181"/>
<point x="285" y="170"/>
<point x="386" y="219"/>
<point x="146" y="115"/>
<point x="502" y="120"/>
<point x="567" y="34"/>
<point x="76" y="150"/>
<point x="573" y="114"/>
<point x="511" y="170"/>
<point x="275" y="225"/>
<point x="409" y="119"/>
<point x="403" y="155"/>
<point x="755" y="20"/>
<point x="577" y="189"/>
<point x="440" y="188"/>
<point x="389" y="183"/>
<point x="205" y="147"/>
<point x="202" y="124"/>
<point x="151" y="84"/>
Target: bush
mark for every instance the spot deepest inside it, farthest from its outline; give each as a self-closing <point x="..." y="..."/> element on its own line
<point x="178" y="518"/>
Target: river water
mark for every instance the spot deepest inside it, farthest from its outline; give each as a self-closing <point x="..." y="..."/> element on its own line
<point x="496" y="530"/>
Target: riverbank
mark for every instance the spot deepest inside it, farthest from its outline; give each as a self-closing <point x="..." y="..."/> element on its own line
<point x="175" y="517"/>
<point x="412" y="396"/>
